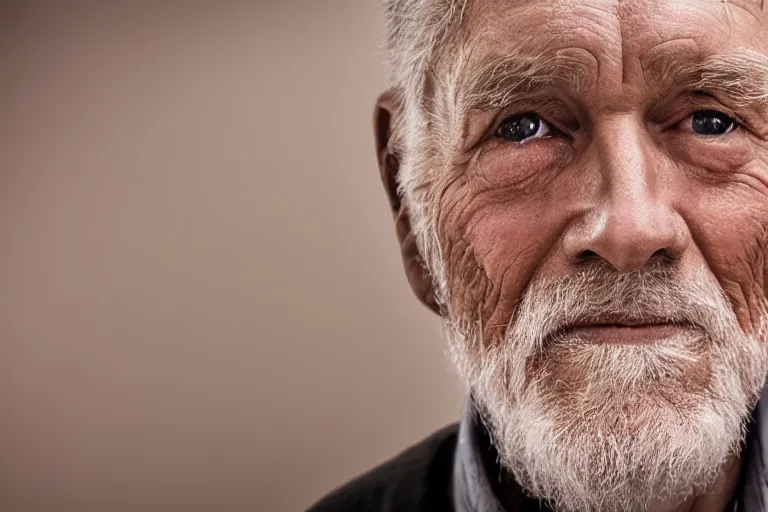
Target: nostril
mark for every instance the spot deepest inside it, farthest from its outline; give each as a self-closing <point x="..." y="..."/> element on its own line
<point x="662" y="254"/>
<point x="587" y="255"/>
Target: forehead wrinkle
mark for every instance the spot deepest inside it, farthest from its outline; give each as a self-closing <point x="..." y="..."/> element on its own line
<point x="752" y="7"/>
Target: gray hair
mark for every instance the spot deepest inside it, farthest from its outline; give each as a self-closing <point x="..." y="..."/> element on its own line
<point x="415" y="30"/>
<point x="418" y="32"/>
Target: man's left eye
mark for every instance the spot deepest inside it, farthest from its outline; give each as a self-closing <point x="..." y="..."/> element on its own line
<point x="710" y="123"/>
<point x="522" y="127"/>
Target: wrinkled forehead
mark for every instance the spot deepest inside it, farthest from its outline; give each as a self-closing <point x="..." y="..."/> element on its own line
<point x="481" y="12"/>
<point x="613" y="31"/>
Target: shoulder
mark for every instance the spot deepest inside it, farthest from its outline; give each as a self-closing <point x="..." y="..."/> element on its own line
<point x="418" y="479"/>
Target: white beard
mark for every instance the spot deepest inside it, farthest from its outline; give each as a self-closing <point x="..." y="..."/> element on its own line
<point x="615" y="427"/>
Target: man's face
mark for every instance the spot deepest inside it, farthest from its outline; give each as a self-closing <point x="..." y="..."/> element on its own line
<point x="621" y="160"/>
<point x="600" y="206"/>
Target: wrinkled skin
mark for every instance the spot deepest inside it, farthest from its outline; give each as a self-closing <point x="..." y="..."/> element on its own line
<point x="621" y="177"/>
<point x="627" y="186"/>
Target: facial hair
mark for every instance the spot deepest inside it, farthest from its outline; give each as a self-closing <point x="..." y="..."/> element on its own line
<point x="615" y="426"/>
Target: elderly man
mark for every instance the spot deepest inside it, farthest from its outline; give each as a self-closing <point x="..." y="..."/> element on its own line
<point x="580" y="189"/>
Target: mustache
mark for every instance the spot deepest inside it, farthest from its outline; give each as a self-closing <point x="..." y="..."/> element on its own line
<point x="599" y="294"/>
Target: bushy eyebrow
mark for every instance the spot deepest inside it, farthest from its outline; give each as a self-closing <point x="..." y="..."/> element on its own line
<point x="741" y="76"/>
<point x="498" y="80"/>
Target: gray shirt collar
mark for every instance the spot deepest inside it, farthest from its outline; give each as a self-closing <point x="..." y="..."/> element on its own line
<point x="473" y="491"/>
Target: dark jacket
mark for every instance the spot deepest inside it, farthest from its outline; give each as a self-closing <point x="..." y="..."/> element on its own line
<point x="417" y="480"/>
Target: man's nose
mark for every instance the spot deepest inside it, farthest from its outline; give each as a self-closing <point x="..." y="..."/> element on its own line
<point x="633" y="220"/>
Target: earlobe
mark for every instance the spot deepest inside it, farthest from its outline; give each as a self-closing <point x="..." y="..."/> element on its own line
<point x="387" y="117"/>
<point x="415" y="269"/>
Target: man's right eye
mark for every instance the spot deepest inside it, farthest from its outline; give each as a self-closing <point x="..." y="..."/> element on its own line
<point x="523" y="127"/>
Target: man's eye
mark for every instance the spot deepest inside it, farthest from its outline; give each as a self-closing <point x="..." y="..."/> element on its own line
<point x="710" y="122"/>
<point x="522" y="127"/>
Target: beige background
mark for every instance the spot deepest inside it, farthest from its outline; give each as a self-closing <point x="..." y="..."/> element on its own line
<point x="201" y="299"/>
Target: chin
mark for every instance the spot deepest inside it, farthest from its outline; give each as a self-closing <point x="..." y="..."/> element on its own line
<point x="609" y="427"/>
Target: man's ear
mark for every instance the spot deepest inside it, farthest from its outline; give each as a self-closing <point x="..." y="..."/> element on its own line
<point x="386" y="118"/>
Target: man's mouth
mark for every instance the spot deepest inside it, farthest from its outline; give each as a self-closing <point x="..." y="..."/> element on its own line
<point x="624" y="331"/>
<point x="625" y="334"/>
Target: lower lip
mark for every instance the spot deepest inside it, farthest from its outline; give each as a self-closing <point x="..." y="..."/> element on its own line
<point x="626" y="335"/>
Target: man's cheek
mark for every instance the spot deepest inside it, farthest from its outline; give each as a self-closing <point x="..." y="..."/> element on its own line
<point x="510" y="267"/>
<point x="735" y="245"/>
<point x="743" y="286"/>
<point x="467" y="281"/>
<point x="749" y="267"/>
<point x="749" y="249"/>
<point x="491" y="249"/>
<point x="758" y="172"/>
